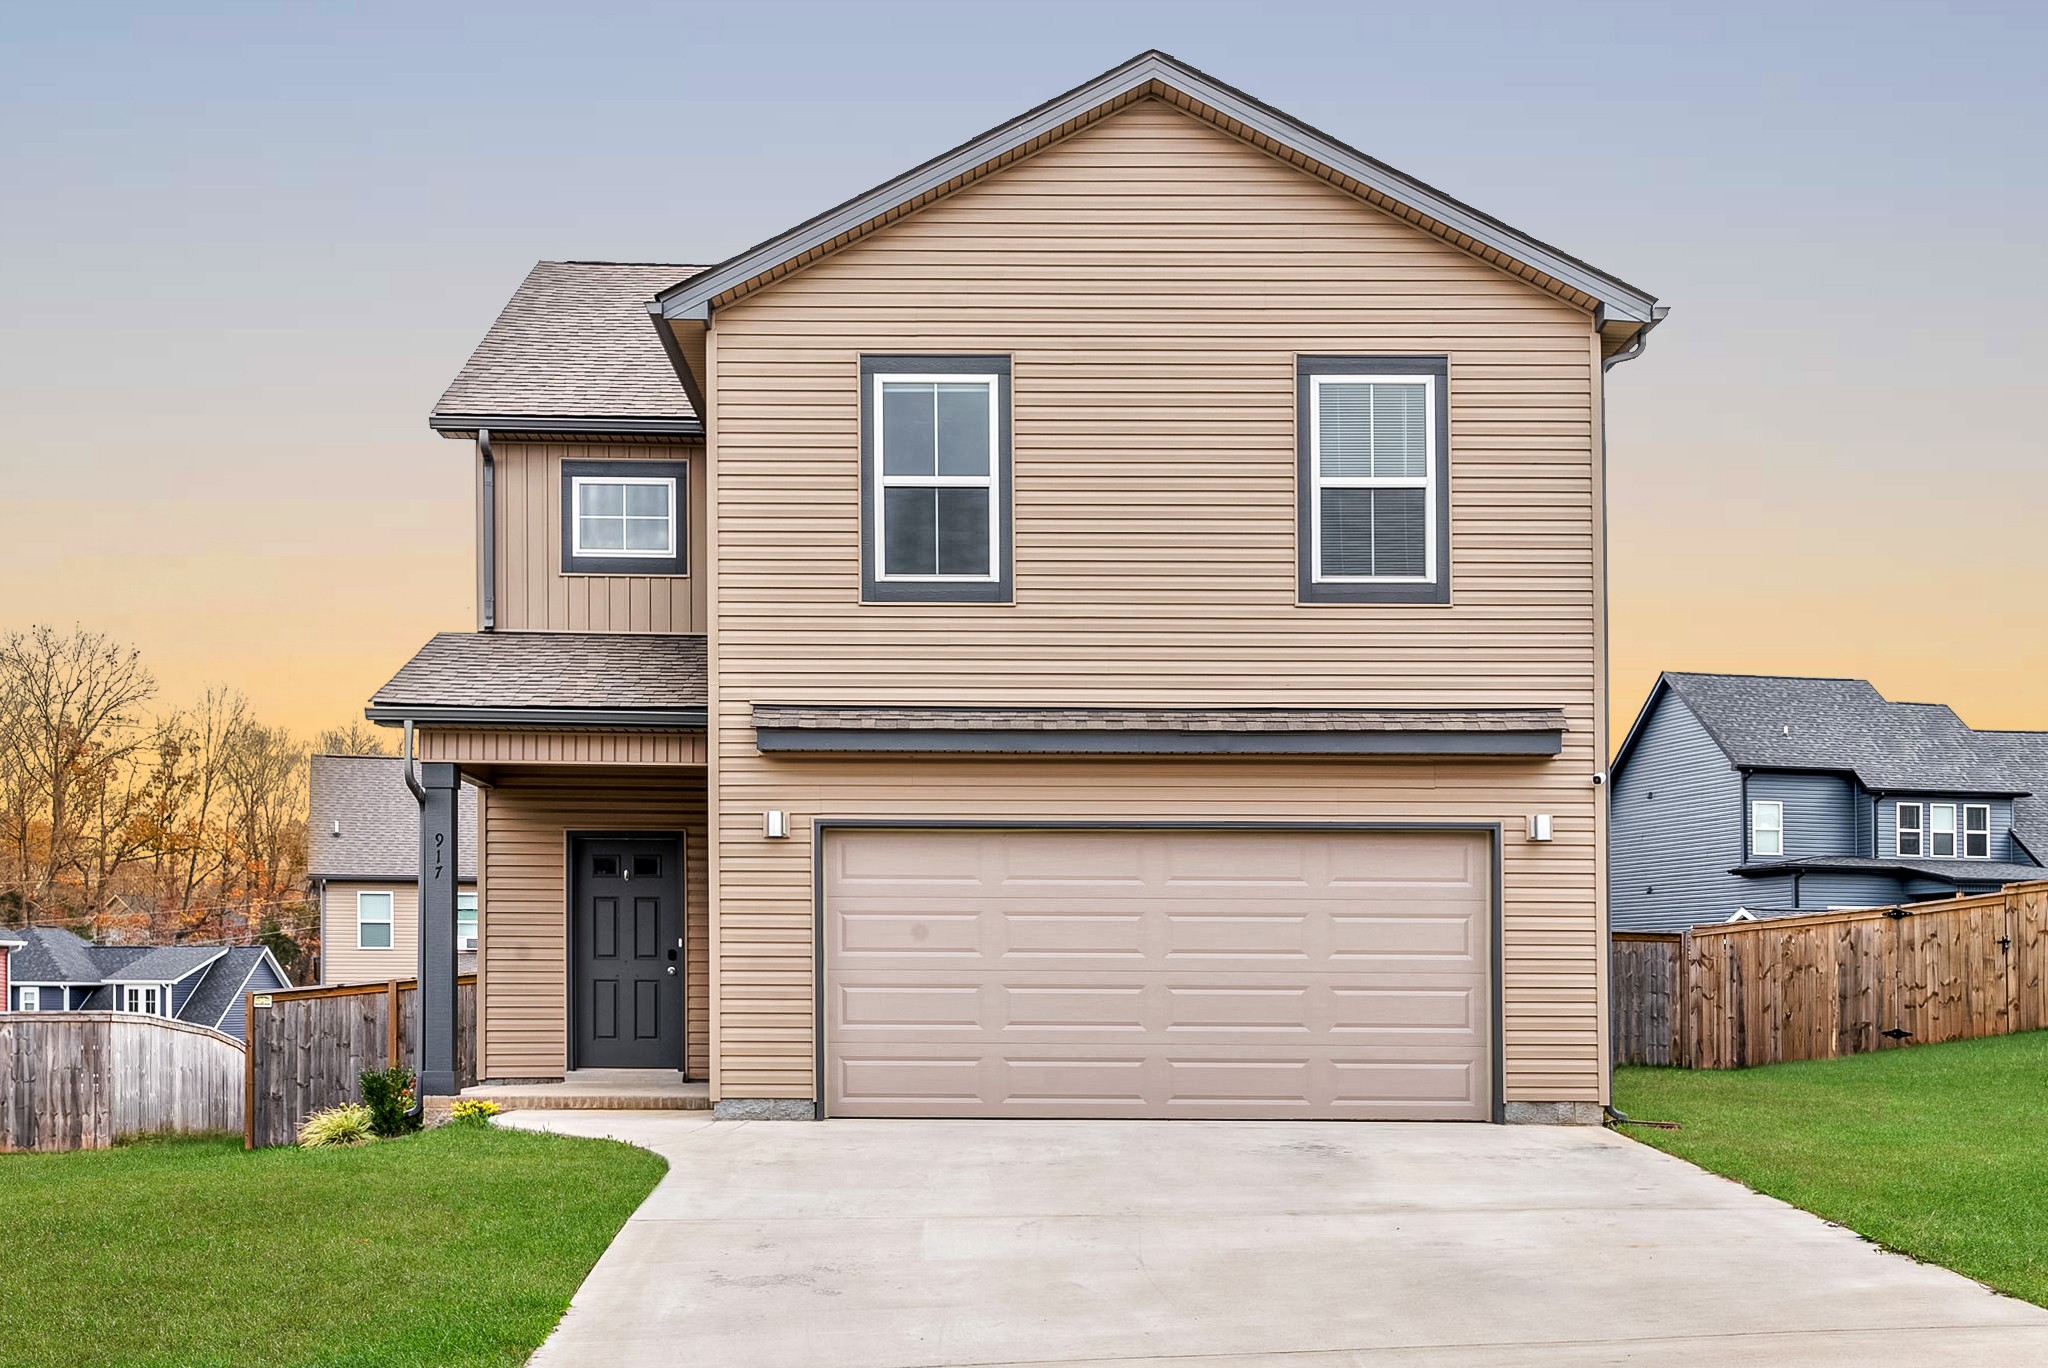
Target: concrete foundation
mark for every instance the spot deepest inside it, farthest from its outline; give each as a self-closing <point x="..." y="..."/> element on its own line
<point x="765" y="1109"/>
<point x="1554" y="1114"/>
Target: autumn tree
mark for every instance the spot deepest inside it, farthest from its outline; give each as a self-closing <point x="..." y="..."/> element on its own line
<point x="357" y="738"/>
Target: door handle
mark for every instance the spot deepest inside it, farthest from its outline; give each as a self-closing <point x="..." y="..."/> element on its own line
<point x="671" y="968"/>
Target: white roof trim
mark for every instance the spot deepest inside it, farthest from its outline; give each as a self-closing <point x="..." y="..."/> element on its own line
<point x="1617" y="299"/>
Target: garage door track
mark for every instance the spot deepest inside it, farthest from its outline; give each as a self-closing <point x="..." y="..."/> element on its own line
<point x="925" y="1244"/>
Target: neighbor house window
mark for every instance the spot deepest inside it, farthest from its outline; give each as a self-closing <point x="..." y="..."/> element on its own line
<point x="1976" y="831"/>
<point x="28" y="999"/>
<point x="1941" y="830"/>
<point x="623" y="517"/>
<point x="1912" y="838"/>
<point x="935" y="517"/>
<point x="1374" y="514"/>
<point x="148" y="1001"/>
<point x="373" y="921"/>
<point x="465" y="921"/>
<point x="1767" y="827"/>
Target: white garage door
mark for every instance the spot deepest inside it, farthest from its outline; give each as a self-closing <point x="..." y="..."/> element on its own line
<point x="1158" y="973"/>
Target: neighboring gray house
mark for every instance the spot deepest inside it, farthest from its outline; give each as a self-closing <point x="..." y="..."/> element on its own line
<point x="53" y="970"/>
<point x="1755" y="794"/>
<point x="363" y="861"/>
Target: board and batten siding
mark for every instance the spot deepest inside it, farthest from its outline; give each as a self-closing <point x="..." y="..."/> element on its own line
<point x="1153" y="280"/>
<point x="533" y="593"/>
<point x="525" y="823"/>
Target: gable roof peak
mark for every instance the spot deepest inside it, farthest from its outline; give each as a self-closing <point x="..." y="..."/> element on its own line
<point x="1156" y="73"/>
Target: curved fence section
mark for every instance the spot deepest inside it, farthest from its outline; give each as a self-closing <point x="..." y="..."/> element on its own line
<point x="84" y="1080"/>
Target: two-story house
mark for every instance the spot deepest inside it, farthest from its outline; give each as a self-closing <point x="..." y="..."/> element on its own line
<point x="363" y="870"/>
<point x="1109" y="623"/>
<point x="1753" y="795"/>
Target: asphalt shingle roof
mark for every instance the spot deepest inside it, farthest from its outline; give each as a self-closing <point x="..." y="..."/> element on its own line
<point x="552" y="670"/>
<point x="2025" y="756"/>
<point x="574" y="341"/>
<point x="804" y="716"/>
<point x="1769" y="722"/>
<point x="54" y="955"/>
<point x="217" y="991"/>
<point x="363" y="822"/>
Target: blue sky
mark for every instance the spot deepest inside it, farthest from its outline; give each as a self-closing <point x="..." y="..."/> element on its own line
<point x="245" y="245"/>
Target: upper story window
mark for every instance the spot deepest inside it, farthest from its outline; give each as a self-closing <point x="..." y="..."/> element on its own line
<point x="1910" y="835"/>
<point x="624" y="517"/>
<point x="1976" y="831"/>
<point x="28" y="999"/>
<point x="1941" y="830"/>
<point x="465" y="921"/>
<point x="373" y="921"/>
<point x="1373" y="481"/>
<point x="935" y="468"/>
<point x="1767" y="827"/>
<point x="137" y="998"/>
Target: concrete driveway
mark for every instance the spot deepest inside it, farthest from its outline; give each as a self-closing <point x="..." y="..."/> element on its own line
<point x="914" y="1244"/>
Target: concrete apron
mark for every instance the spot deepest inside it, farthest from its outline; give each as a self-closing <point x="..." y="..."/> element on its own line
<point x="927" y="1244"/>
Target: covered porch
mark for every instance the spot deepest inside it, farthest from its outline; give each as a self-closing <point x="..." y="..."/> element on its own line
<point x="587" y="752"/>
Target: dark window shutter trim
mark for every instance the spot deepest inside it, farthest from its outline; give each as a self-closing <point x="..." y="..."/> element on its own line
<point x="1437" y="591"/>
<point x="875" y="590"/>
<point x="678" y="564"/>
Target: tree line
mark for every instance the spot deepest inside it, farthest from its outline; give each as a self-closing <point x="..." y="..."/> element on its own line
<point x="128" y="821"/>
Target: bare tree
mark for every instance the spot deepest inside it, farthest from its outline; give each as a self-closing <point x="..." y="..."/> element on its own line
<point x="70" y="715"/>
<point x="357" y="738"/>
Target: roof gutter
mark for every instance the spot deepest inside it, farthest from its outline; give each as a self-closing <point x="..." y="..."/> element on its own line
<point x="631" y="719"/>
<point x="490" y="537"/>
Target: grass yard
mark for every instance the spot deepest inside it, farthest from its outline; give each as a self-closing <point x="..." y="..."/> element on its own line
<point x="1938" y="1151"/>
<point x="459" y="1246"/>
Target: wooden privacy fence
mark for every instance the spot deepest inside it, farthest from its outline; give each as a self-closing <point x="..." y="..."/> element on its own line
<point x="84" y="1080"/>
<point x="1832" y="983"/>
<point x="309" y="1046"/>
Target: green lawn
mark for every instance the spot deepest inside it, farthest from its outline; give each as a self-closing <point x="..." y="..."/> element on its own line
<point x="459" y="1246"/>
<point x="1939" y="1151"/>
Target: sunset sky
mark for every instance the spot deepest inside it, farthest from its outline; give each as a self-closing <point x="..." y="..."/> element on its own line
<point x="244" y="247"/>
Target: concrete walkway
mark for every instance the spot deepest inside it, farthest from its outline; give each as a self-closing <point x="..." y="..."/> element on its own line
<point x="917" y="1244"/>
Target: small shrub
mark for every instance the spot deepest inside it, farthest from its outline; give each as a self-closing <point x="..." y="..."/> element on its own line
<point x="348" y="1124"/>
<point x="476" y="1110"/>
<point x="388" y="1093"/>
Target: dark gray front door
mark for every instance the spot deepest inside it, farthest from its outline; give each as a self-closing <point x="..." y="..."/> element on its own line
<point x="626" y="920"/>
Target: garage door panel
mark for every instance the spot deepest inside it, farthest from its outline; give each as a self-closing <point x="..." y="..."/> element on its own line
<point x="1129" y="999"/>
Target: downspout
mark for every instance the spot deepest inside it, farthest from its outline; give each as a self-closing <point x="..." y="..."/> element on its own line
<point x="419" y="795"/>
<point x="490" y="540"/>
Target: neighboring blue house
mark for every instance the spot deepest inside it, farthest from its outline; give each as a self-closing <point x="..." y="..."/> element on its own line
<point x="1753" y="794"/>
<point x="55" y="971"/>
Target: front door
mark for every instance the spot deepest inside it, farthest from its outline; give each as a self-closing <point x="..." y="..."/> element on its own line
<point x="626" y="924"/>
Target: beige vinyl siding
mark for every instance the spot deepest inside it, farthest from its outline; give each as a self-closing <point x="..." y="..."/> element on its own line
<point x="342" y="963"/>
<point x="533" y="593"/>
<point x="484" y="748"/>
<point x="1153" y="280"/>
<point x="524" y="962"/>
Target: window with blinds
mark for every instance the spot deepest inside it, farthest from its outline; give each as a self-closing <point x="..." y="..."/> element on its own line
<point x="1373" y="468"/>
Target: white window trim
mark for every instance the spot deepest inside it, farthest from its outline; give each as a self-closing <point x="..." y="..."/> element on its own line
<point x="474" y="919"/>
<point x="1899" y="829"/>
<point x="990" y="482"/>
<point x="1963" y="837"/>
<point x="131" y="991"/>
<point x="1954" y="831"/>
<point x="21" y="992"/>
<point x="1756" y="806"/>
<point x="580" y="551"/>
<point x="1319" y="482"/>
<point x="391" y="920"/>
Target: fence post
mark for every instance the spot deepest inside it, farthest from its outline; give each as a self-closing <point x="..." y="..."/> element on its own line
<point x="248" y="1071"/>
<point x="391" y="1059"/>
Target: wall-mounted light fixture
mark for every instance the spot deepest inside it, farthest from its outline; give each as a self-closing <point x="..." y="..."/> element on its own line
<point x="775" y="824"/>
<point x="1539" y="826"/>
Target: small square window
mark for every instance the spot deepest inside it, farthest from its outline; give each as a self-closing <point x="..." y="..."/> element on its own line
<point x="647" y="866"/>
<point x="604" y="866"/>
<point x="623" y="517"/>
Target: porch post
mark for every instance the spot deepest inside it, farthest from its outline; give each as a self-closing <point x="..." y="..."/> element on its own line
<point x="436" y="997"/>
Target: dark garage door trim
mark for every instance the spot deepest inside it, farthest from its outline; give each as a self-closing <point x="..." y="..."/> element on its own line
<point x="823" y="826"/>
